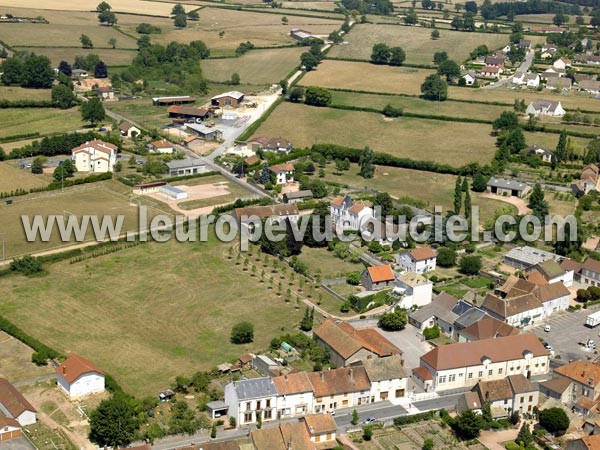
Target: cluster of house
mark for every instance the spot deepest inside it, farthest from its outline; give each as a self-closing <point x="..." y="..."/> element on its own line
<point x="588" y="181"/>
<point x="370" y="369"/>
<point x="76" y="377"/>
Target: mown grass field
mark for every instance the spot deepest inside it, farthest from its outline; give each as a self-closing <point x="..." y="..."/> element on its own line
<point x="367" y="77"/>
<point x="64" y="30"/>
<point x="43" y="120"/>
<point x="445" y="142"/>
<point x="433" y="188"/>
<point x="12" y="178"/>
<point x="237" y="26"/>
<point x="550" y="140"/>
<point x="130" y="6"/>
<point x="325" y="263"/>
<point x="148" y="313"/>
<point x="109" y="56"/>
<point x="104" y="198"/>
<point x="255" y="67"/>
<point x="13" y="93"/>
<point x="419" y="105"/>
<point x="415" y="41"/>
<point x="16" y="360"/>
<point x="310" y="5"/>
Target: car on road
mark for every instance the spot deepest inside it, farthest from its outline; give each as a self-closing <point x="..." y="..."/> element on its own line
<point x="331" y="411"/>
<point x="370" y="420"/>
<point x="547" y="328"/>
<point x="548" y="346"/>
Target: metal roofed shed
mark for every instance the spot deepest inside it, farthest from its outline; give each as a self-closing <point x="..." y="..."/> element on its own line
<point x="173" y="192"/>
<point x="507" y="187"/>
<point x="207" y="133"/>
<point x="185" y="167"/>
<point x="523" y="257"/>
<point x="217" y="409"/>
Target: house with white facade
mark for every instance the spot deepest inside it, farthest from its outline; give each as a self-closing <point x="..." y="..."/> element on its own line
<point x="388" y="378"/>
<point x="419" y="260"/>
<point x="549" y="272"/>
<point x="247" y="399"/>
<point x="14" y="406"/>
<point x="79" y="377"/>
<point x="163" y="147"/>
<point x="577" y="385"/>
<point x="346" y="387"/>
<point x="464" y="365"/>
<point x="519" y="302"/>
<point x="9" y="429"/>
<point x="284" y="173"/>
<point x="294" y="395"/>
<point x="412" y="289"/>
<point x="561" y="63"/>
<point x="349" y="214"/>
<point x="94" y="156"/>
<point x="470" y="78"/>
<point x="545" y="108"/>
<point x="590" y="272"/>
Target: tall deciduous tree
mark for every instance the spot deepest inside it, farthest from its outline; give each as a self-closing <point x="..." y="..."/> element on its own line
<point x="367" y="169"/>
<point x="397" y="56"/>
<point x="62" y="96"/>
<point x="92" y="111"/>
<point x="113" y="423"/>
<point x="380" y="54"/>
<point x="434" y="88"/>
<point x="37" y="72"/>
<point x="457" y="195"/>
<point x="86" y="42"/>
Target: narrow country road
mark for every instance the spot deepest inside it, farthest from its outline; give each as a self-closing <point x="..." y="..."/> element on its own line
<point x="524" y="67"/>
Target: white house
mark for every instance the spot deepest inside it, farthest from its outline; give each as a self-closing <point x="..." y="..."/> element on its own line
<point x="464" y="365"/>
<point x="14" y="406"/>
<point x="348" y="214"/>
<point x="513" y="393"/>
<point x="549" y="272"/>
<point x="79" y="377"/>
<point x="388" y="378"/>
<point x="532" y="80"/>
<point x="129" y="130"/>
<point x="413" y="290"/>
<point x="9" y="429"/>
<point x="247" y="399"/>
<point x="590" y="272"/>
<point x="545" y="108"/>
<point x="470" y="78"/>
<point x="418" y="260"/>
<point x="294" y="395"/>
<point x="162" y="147"/>
<point x="284" y="173"/>
<point x="94" y="156"/>
<point x="561" y="63"/>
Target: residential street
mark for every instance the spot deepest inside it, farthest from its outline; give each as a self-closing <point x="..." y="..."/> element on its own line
<point x="524" y="67"/>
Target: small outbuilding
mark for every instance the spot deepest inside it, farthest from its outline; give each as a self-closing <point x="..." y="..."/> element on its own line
<point x="508" y="188"/>
<point x="172" y="192"/>
<point x="217" y="409"/>
<point x="231" y="98"/>
<point x="204" y="132"/>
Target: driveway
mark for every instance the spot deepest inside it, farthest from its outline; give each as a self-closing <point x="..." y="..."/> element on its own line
<point x="517" y="202"/>
<point x="410" y="343"/>
<point x="20" y="443"/>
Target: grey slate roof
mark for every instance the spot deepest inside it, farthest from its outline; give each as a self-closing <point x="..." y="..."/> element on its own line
<point x="440" y="307"/>
<point x="382" y="369"/>
<point x="530" y="255"/>
<point x="469" y="317"/>
<point x="299" y="194"/>
<point x="184" y="163"/>
<point x="507" y="184"/>
<point x="255" y="388"/>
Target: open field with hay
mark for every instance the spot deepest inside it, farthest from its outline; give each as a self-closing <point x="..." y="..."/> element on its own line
<point x="109" y="56"/>
<point x="12" y="178"/>
<point x="255" y="67"/>
<point x="445" y="142"/>
<point x="13" y="93"/>
<point x="415" y="41"/>
<point x="43" y="120"/>
<point x="130" y="6"/>
<point x="173" y="304"/>
<point x="367" y="77"/>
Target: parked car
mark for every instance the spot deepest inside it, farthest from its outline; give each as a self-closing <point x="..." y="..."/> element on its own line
<point x="547" y="346"/>
<point x="370" y="420"/>
<point x="547" y="328"/>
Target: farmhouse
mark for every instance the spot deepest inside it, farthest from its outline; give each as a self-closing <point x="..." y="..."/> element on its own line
<point x="106" y="94"/>
<point x="524" y="43"/>
<point x="300" y="35"/>
<point x="79" y="377"/>
<point x="588" y="180"/>
<point x="95" y="156"/>
<point x="178" y="100"/>
<point x="349" y="345"/>
<point x="231" y="98"/>
<point x="298" y="196"/>
<point x="470" y="78"/>
<point x="179" y="167"/>
<point x="388" y="379"/>
<point x="375" y="278"/>
<point x="204" y="132"/>
<point x="507" y="188"/>
<point x="172" y="192"/>
<point x="463" y="365"/>
<point x="412" y="290"/>
<point x="561" y="63"/>
<point x="494" y="61"/>
<point x="491" y="72"/>
<point x="188" y="113"/>
<point x="276" y="144"/>
<point x="545" y="108"/>
<point x="526" y="256"/>
<point x="345" y="387"/>
<point x="284" y="173"/>
<point x="541" y="152"/>
<point x="348" y="214"/>
<point x="14" y="406"/>
<point x="251" y="398"/>
<point x="418" y="260"/>
<point x="129" y="130"/>
<point x="162" y="146"/>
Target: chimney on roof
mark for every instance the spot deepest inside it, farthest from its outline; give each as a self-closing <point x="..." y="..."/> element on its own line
<point x="64" y="370"/>
<point x="351" y="374"/>
<point x="285" y="377"/>
<point x="322" y="376"/>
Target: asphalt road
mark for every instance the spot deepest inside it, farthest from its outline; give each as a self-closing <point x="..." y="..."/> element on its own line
<point x="524" y="67"/>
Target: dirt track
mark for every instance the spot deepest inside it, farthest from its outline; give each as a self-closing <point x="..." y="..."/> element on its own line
<point x="519" y="203"/>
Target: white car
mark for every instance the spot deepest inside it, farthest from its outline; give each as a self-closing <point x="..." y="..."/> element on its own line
<point x="547" y="328"/>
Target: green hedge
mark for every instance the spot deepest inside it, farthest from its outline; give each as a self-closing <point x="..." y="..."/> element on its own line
<point x="190" y="177"/>
<point x="26" y="104"/>
<point x="19" y="137"/>
<point x="416" y="66"/>
<point x="10" y="328"/>
<point x="239" y="203"/>
<point x="406" y="420"/>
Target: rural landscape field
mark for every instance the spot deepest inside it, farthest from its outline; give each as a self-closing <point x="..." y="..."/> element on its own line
<point x="298" y="225"/>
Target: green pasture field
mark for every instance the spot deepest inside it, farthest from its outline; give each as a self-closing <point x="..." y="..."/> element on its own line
<point x="57" y="54"/>
<point x="322" y="262"/>
<point x="12" y="178"/>
<point x="13" y="93"/>
<point x="43" y="120"/>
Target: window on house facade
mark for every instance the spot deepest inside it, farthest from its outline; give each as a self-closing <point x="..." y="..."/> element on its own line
<point x="500" y="371"/>
<point x="248" y="417"/>
<point x="531" y="398"/>
<point x="442" y="379"/>
<point x="267" y="414"/>
<point x="268" y="403"/>
<point x="248" y="406"/>
<point x="490" y="373"/>
<point x="451" y="378"/>
<point x="480" y="374"/>
<point x="470" y="376"/>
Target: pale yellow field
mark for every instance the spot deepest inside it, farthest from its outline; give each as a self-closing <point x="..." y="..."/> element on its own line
<point x="131" y="6"/>
<point x="367" y="77"/>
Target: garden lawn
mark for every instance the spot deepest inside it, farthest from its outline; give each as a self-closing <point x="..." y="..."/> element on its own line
<point x="149" y="313"/>
<point x="322" y="262"/>
<point x="415" y="41"/>
<point x="421" y="139"/>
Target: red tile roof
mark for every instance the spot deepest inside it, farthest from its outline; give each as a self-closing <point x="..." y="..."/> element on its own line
<point x="584" y="372"/>
<point x="422" y="373"/>
<point x="339" y="381"/>
<point x="282" y="168"/>
<point x="422" y="253"/>
<point x="13" y="400"/>
<point x="75" y="366"/>
<point x="293" y="383"/>
<point x="380" y="274"/>
<point x="320" y="424"/>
